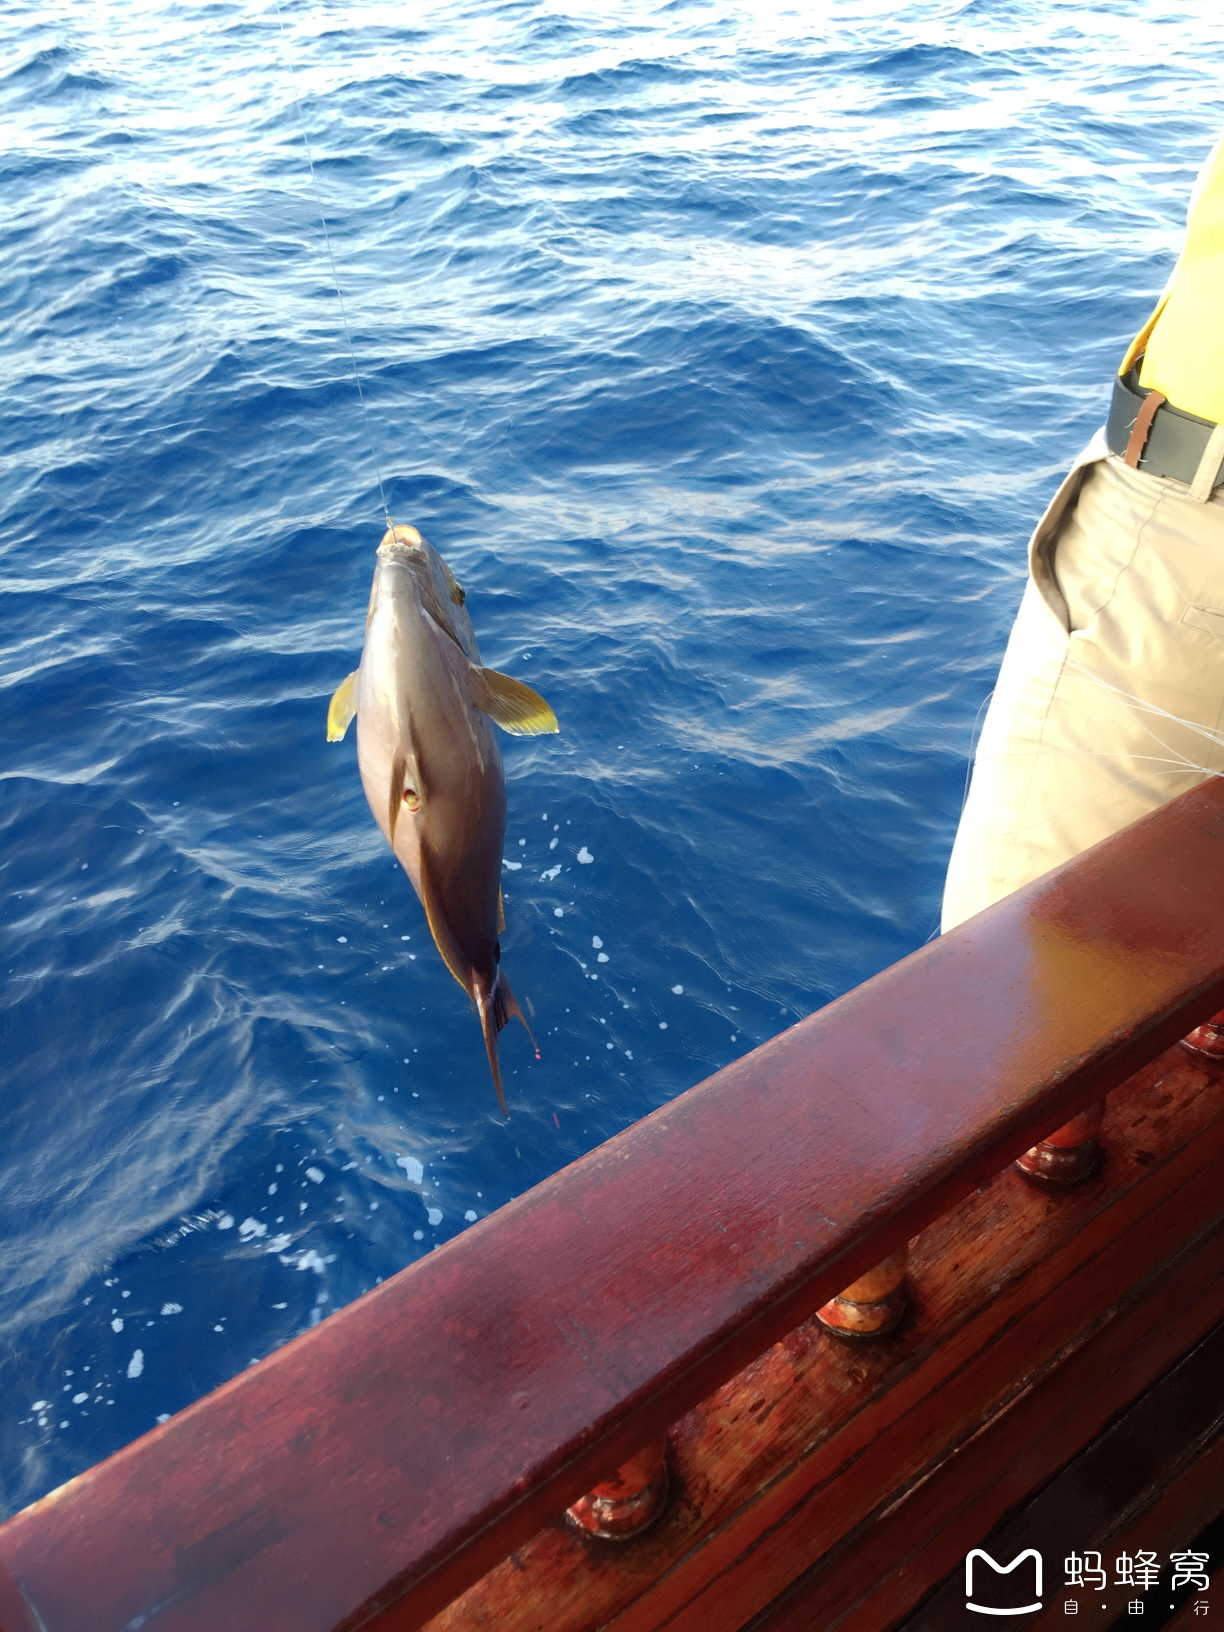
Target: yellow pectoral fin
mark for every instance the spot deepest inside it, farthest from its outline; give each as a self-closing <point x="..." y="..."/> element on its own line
<point x="342" y="707"/>
<point x="514" y="706"/>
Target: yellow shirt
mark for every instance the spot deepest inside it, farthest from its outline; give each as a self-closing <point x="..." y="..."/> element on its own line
<point x="1183" y="340"/>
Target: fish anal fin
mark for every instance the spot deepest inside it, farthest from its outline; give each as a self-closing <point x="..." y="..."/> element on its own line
<point x="342" y="707"/>
<point x="513" y="705"/>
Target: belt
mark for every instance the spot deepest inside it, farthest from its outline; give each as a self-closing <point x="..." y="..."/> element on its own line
<point x="1151" y="435"/>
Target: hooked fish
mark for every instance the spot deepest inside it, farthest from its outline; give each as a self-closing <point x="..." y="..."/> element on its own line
<point x="430" y="764"/>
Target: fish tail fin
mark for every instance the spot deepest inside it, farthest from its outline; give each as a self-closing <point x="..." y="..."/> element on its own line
<point x="496" y="1009"/>
<point x="492" y="1019"/>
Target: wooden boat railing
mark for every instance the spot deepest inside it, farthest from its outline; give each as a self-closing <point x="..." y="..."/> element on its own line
<point x="409" y="1460"/>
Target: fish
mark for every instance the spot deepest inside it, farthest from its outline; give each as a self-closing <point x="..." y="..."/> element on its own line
<point x="430" y="764"/>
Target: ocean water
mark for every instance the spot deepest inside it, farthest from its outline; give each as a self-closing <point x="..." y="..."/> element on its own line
<point x="727" y="351"/>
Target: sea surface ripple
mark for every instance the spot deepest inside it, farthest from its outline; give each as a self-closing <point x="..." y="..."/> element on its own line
<point x="728" y="357"/>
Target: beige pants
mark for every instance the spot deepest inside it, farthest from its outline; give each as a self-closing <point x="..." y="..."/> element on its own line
<point x="1110" y="699"/>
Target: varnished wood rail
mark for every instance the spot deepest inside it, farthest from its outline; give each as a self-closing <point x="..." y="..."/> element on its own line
<point x="374" y="1469"/>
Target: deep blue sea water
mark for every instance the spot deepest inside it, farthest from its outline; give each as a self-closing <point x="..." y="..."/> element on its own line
<point x="727" y="351"/>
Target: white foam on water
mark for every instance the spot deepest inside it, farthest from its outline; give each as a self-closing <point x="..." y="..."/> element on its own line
<point x="678" y="990"/>
<point x="596" y="941"/>
<point x="434" y="1215"/>
<point x="309" y="1259"/>
<point x="171" y="1308"/>
<point x="551" y="872"/>
<point x="414" y="1169"/>
<point x="250" y="1228"/>
<point x="226" y="1221"/>
<point x="117" y="1324"/>
<point x="470" y="1216"/>
<point x="315" y="1175"/>
<point x="136" y="1364"/>
<point x="585" y="856"/>
<point x="513" y="866"/>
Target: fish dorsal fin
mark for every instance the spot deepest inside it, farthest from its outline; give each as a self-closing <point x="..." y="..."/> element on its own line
<point x="342" y="707"/>
<point x="439" y="928"/>
<point x="514" y="706"/>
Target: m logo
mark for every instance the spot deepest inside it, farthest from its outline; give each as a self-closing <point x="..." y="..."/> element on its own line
<point x="990" y="1585"/>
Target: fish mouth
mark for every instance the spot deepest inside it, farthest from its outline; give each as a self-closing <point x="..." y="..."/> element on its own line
<point x="405" y="538"/>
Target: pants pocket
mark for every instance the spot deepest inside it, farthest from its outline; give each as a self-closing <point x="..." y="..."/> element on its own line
<point x="1208" y="618"/>
<point x="1043" y="544"/>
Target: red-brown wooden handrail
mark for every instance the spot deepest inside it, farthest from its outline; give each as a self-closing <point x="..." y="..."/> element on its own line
<point x="399" y="1449"/>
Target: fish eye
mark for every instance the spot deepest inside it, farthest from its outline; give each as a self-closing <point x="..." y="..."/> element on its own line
<point x="412" y="799"/>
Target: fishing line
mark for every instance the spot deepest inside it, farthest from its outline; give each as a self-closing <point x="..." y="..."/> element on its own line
<point x="331" y="259"/>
